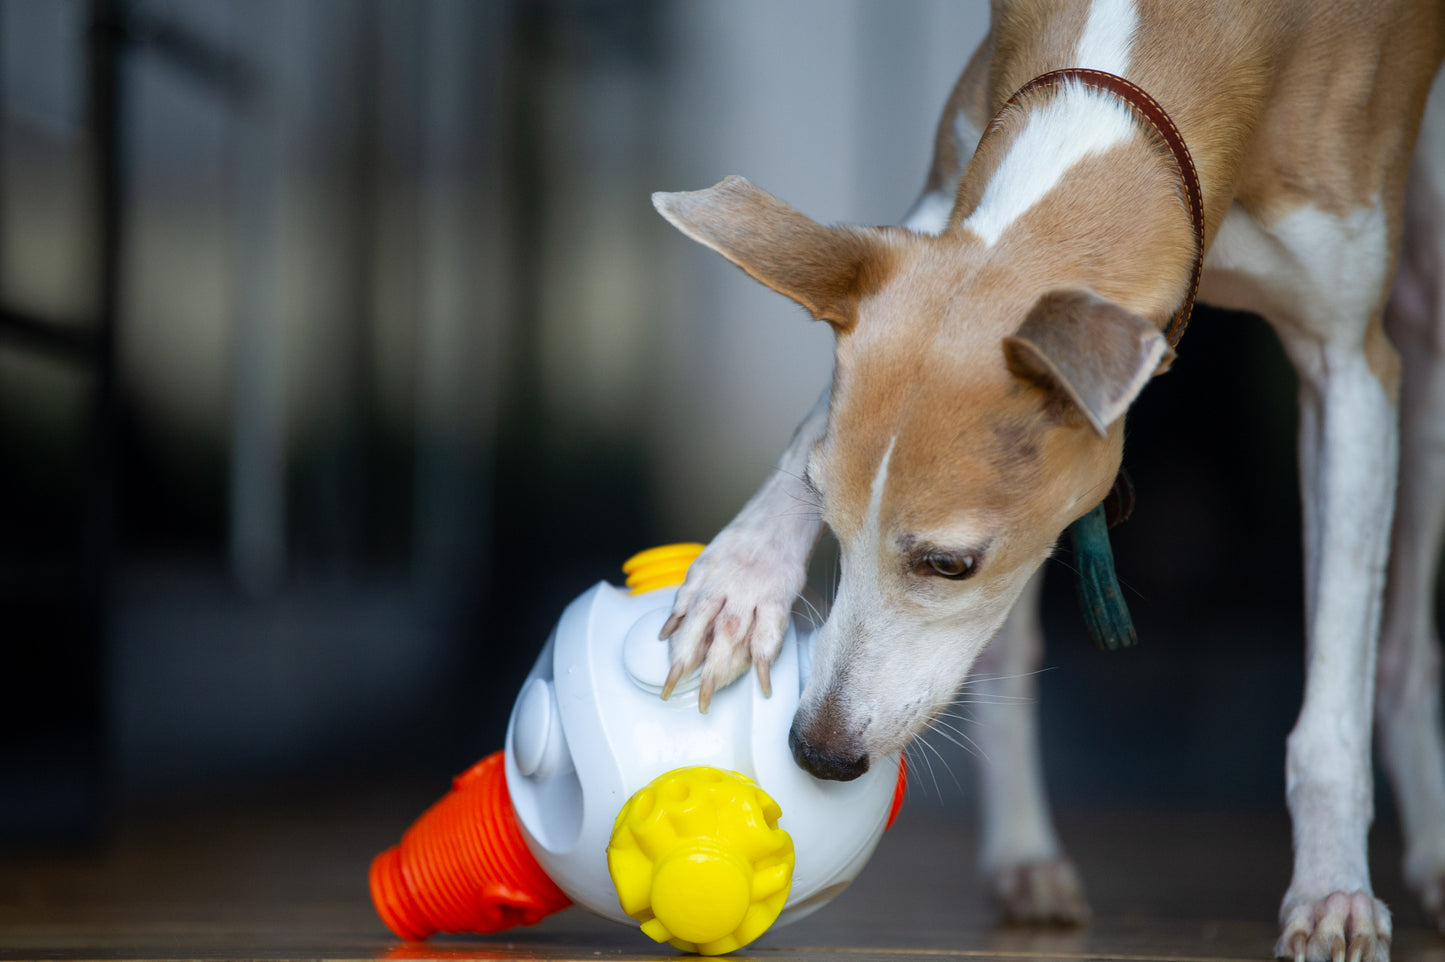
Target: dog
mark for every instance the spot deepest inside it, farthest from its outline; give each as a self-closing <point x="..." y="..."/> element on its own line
<point x="988" y="350"/>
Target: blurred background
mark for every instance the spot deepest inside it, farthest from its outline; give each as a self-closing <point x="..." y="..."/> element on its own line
<point x="340" y="347"/>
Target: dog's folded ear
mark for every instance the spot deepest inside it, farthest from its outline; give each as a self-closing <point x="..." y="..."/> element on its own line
<point x="1087" y="352"/>
<point x="825" y="269"/>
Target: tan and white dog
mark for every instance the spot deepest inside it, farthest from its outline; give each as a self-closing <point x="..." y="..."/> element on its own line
<point x="988" y="350"/>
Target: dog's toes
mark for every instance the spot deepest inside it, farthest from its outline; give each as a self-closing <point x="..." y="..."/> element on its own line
<point x="1341" y="927"/>
<point x="770" y="624"/>
<point x="1043" y="892"/>
<point x="689" y="642"/>
<point x="1293" y="946"/>
<point x="732" y="609"/>
<point x="728" y="654"/>
<point x="765" y="677"/>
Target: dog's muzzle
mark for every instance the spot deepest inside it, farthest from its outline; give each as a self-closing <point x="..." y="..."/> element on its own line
<point x="837" y="766"/>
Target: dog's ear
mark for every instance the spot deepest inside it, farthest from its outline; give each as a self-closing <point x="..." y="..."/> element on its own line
<point x="825" y="269"/>
<point x="1087" y="352"/>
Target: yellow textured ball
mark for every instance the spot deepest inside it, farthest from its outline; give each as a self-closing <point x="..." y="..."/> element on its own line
<point x="698" y="858"/>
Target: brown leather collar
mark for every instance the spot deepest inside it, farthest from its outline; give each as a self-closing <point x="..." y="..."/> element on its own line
<point x="1146" y="108"/>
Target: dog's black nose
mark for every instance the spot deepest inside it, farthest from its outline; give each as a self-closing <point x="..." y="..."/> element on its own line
<point x="825" y="764"/>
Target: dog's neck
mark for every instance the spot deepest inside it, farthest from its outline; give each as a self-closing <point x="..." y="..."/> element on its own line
<point x="1073" y="174"/>
<point x="1077" y="173"/>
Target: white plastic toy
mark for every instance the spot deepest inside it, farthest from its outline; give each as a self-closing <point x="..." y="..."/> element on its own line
<point x="699" y="826"/>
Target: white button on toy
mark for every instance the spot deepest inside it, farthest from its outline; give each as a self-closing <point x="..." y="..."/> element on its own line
<point x="538" y="743"/>
<point x="647" y="658"/>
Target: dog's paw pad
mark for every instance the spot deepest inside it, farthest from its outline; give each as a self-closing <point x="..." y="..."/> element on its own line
<point x="1341" y="927"/>
<point x="1043" y="892"/>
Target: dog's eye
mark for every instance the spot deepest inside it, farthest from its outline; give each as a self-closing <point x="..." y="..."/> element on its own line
<point x="954" y="567"/>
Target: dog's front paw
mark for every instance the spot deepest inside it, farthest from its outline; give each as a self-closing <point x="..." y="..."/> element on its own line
<point x="733" y="610"/>
<point x="1341" y="927"/>
<point x="1042" y="892"/>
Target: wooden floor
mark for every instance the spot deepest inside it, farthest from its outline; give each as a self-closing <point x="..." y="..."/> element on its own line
<point x="267" y="879"/>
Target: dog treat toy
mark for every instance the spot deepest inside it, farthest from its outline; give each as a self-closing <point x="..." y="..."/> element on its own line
<point x="700" y="827"/>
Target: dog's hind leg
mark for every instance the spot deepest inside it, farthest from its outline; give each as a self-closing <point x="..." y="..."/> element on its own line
<point x="1020" y="854"/>
<point x="1408" y="694"/>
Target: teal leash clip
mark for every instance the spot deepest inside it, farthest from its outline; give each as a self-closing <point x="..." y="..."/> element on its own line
<point x="1106" y="615"/>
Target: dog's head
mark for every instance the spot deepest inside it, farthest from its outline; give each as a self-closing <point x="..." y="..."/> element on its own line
<point x="976" y="411"/>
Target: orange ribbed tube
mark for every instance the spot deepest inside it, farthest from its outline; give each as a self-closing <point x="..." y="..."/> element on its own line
<point x="463" y="866"/>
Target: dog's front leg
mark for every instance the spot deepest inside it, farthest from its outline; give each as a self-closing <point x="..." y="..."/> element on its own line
<point x="1408" y="693"/>
<point x="1020" y="854"/>
<point x="733" y="608"/>
<point x="1348" y="452"/>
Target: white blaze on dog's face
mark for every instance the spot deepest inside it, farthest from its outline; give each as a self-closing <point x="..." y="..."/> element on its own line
<point x="976" y="411"/>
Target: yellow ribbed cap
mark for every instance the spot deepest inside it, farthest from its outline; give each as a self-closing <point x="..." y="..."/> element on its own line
<point x="661" y="567"/>
<point x="697" y="857"/>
